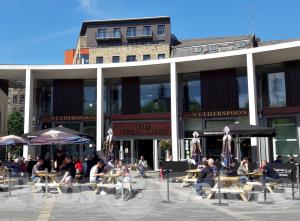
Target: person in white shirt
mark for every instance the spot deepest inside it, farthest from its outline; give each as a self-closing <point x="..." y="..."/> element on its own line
<point x="96" y="172"/>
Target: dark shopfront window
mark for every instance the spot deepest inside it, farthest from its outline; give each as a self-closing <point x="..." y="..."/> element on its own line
<point x="46" y="88"/>
<point x="116" y="96"/>
<point x="90" y="99"/>
<point x="155" y="94"/>
<point x="192" y="92"/>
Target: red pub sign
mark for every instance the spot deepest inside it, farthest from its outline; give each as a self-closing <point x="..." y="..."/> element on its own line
<point x="161" y="129"/>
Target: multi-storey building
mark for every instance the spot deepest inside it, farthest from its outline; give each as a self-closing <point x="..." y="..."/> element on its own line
<point x="16" y="99"/>
<point x="122" y="40"/>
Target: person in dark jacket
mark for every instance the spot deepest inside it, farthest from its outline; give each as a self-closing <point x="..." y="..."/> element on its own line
<point x="205" y="179"/>
<point x="269" y="173"/>
<point x="70" y="172"/>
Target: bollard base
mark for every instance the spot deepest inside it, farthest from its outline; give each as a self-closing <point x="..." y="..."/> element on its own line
<point x="220" y="204"/>
<point x="265" y="202"/>
<point x="168" y="202"/>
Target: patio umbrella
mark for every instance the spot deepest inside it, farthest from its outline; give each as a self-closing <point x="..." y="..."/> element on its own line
<point x="12" y="140"/>
<point x="241" y="130"/>
<point x="57" y="136"/>
<point x="226" y="149"/>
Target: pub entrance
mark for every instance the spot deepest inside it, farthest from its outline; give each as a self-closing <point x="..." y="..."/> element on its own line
<point x="144" y="148"/>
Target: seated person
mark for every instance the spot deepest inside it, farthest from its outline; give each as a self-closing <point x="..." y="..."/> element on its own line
<point x="269" y="173"/>
<point x="38" y="167"/>
<point x="78" y="166"/>
<point x="143" y="166"/>
<point x="69" y="172"/>
<point x="205" y="179"/>
<point x="232" y="171"/>
<point x="243" y="170"/>
<point x="97" y="171"/>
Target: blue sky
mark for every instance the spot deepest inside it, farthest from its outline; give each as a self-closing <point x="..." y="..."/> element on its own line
<point x="38" y="31"/>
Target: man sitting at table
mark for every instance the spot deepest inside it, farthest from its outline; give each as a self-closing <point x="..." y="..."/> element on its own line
<point x="97" y="171"/>
<point x="206" y="178"/>
<point x="69" y="174"/>
<point x="38" y="167"/>
<point x="269" y="173"/>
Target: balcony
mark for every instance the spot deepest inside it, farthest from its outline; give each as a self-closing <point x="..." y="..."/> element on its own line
<point x="108" y="36"/>
<point x="139" y="34"/>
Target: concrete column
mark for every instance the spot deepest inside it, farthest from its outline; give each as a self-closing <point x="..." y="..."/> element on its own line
<point x="100" y="109"/>
<point x="131" y="152"/>
<point x="174" y="111"/>
<point x="155" y="154"/>
<point x="252" y="94"/>
<point x="28" y="109"/>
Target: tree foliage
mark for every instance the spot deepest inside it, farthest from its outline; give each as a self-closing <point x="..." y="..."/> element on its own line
<point x="15" y="123"/>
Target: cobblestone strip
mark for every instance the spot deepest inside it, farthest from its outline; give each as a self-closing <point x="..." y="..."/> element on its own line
<point x="46" y="210"/>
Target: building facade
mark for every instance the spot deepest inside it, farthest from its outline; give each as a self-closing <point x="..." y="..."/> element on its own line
<point x="145" y="102"/>
<point x="16" y="99"/>
<point x="122" y="40"/>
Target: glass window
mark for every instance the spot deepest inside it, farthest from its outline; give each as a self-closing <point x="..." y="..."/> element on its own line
<point x="15" y="99"/>
<point x="285" y="143"/>
<point x="84" y="58"/>
<point x="147" y="30"/>
<point x="99" y="60"/>
<point x="115" y="59"/>
<point x="116" y="33"/>
<point x="155" y="94"/>
<point x="192" y="92"/>
<point x="22" y="99"/>
<point x="46" y="97"/>
<point x="90" y="97"/>
<point x="116" y="96"/>
<point x="130" y="58"/>
<point x="102" y="33"/>
<point x="276" y="89"/>
<point x="161" y="56"/>
<point x="131" y="31"/>
<point x="146" y="57"/>
<point x="242" y="82"/>
<point x="161" y="29"/>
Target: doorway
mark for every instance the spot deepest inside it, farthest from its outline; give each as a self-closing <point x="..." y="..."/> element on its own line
<point x="144" y="148"/>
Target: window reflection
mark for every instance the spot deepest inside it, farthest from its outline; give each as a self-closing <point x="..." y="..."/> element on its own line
<point x="116" y="96"/>
<point x="90" y="99"/>
<point x="155" y="94"/>
<point x="242" y="82"/>
<point x="192" y="92"/>
<point x="276" y="89"/>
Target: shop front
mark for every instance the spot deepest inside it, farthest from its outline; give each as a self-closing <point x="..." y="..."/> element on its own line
<point x="140" y="138"/>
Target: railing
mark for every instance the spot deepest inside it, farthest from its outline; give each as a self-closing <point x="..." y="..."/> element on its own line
<point x="108" y="36"/>
<point x="139" y="34"/>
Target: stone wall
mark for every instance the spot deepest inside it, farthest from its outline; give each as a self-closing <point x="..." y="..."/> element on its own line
<point x="139" y="50"/>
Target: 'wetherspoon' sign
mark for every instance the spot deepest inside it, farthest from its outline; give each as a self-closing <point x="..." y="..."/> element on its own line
<point x="68" y="118"/>
<point x="229" y="113"/>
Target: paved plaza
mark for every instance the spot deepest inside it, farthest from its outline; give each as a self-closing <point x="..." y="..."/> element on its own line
<point x="147" y="203"/>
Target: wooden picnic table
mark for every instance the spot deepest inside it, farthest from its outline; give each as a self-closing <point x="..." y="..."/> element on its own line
<point x="190" y="177"/>
<point x="229" y="185"/>
<point x="109" y="181"/>
<point x="50" y="181"/>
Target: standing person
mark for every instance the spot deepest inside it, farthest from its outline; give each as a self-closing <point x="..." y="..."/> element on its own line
<point x="205" y="179"/>
<point x="243" y="170"/>
<point x="58" y="160"/>
<point x="143" y="166"/>
<point x="70" y="172"/>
